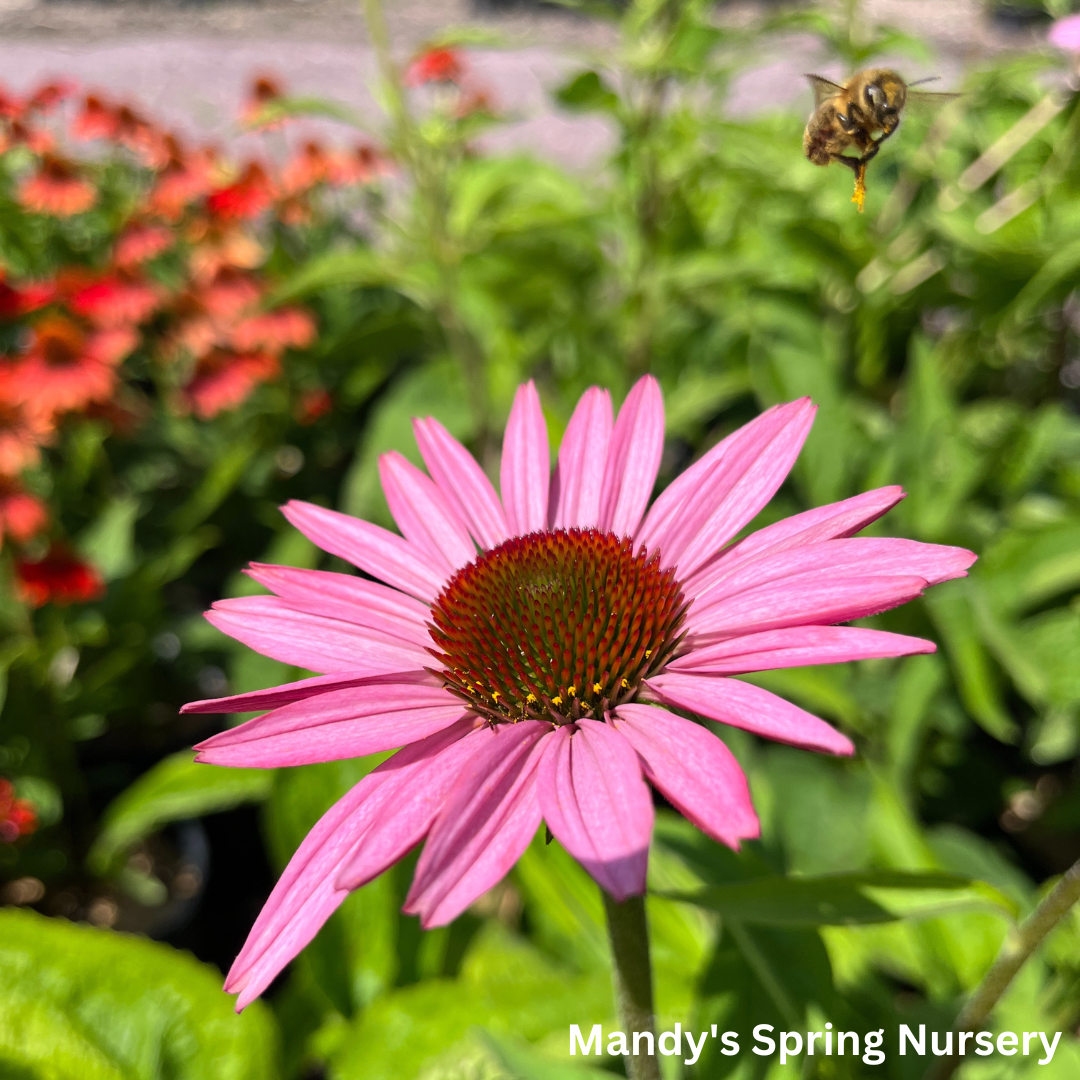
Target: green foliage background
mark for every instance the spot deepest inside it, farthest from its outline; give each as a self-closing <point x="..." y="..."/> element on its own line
<point x="940" y="338"/>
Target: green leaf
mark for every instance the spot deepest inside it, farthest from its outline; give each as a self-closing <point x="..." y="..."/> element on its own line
<point x="588" y="92"/>
<point x="85" y="1004"/>
<point x="505" y="985"/>
<point x="523" y="1063"/>
<point x="175" y="789"/>
<point x="285" y="108"/>
<point x="950" y="607"/>
<point x="846" y="899"/>
<point x="354" y="267"/>
<point x="109" y="543"/>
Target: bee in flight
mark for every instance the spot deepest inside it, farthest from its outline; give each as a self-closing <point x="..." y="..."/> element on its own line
<point x="850" y="116"/>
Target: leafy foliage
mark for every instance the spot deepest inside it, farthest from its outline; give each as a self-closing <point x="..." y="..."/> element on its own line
<point x="939" y="334"/>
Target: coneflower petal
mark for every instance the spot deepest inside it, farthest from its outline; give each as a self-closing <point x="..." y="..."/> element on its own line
<point x="693" y="770"/>
<point x="597" y="805"/>
<point x="269" y="626"/>
<point x="578" y="477"/>
<point x="307" y="894"/>
<point x="797" y="647"/>
<point x="380" y="553"/>
<point x="686" y="504"/>
<point x="348" y="598"/>
<point x="525" y="474"/>
<point x="745" y="706"/>
<point x="488" y="820"/>
<point x="423" y="514"/>
<point x="835" y="521"/>
<point x="303" y="688"/>
<point x="856" y="557"/>
<point x="800" y="600"/>
<point x="341" y="724"/>
<point x="740" y="487"/>
<point x="633" y="458"/>
<point x="463" y="482"/>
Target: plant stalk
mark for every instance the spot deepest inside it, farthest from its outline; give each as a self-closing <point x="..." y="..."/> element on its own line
<point x="1021" y="942"/>
<point x="628" y="933"/>
<point x="428" y="173"/>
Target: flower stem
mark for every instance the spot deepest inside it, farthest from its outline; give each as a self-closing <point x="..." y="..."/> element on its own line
<point x="629" y="937"/>
<point x="1018" y="947"/>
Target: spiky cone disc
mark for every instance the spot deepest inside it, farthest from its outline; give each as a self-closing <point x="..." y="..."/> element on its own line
<point x="556" y="625"/>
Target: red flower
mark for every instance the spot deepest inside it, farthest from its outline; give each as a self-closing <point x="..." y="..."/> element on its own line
<point x="273" y="331"/>
<point x="116" y="301"/>
<point x="22" y="299"/>
<point x="313" y="404"/>
<point x="56" y="189"/>
<point x="97" y="120"/>
<point x="230" y="294"/>
<point x="66" y="368"/>
<point x="184" y="178"/>
<point x="17" y="817"/>
<point x="47" y="96"/>
<point x="224" y="380"/>
<point x="361" y="166"/>
<point x="61" y="577"/>
<point x="250" y="196"/>
<point x="21" y="515"/>
<point x="140" y="242"/>
<point x="435" y="65"/>
<point x="22" y="429"/>
<point x="306" y="169"/>
<point x="262" y="91"/>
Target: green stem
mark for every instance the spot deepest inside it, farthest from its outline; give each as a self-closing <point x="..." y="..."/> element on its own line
<point x="628" y="933"/>
<point x="427" y="172"/>
<point x="1015" y="952"/>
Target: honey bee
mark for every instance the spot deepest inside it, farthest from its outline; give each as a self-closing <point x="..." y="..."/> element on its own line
<point x="851" y="115"/>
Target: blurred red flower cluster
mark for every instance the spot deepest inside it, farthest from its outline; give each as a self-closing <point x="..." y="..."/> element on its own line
<point x="17" y="817"/>
<point x="173" y="308"/>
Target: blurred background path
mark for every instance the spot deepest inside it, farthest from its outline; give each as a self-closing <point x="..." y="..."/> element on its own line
<point x="189" y="63"/>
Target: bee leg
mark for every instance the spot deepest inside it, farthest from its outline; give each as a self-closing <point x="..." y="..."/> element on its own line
<point x="875" y="145"/>
<point x="852" y="163"/>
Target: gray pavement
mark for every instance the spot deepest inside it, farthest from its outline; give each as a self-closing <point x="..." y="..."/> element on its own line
<point x="189" y="64"/>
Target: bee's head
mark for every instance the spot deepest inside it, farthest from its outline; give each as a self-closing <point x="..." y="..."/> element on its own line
<point x="885" y="95"/>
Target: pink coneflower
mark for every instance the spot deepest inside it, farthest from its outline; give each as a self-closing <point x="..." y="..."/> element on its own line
<point x="526" y="652"/>
<point x="1065" y="34"/>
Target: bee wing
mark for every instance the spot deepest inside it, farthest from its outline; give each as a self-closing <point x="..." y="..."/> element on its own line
<point x="823" y="88"/>
<point x="930" y="98"/>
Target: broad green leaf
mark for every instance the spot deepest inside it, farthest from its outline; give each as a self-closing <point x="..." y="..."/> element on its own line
<point x="845" y="899"/>
<point x="86" y="1004"/>
<point x="523" y="1063"/>
<point x="950" y="608"/>
<point x="435" y="390"/>
<point x="109" y="542"/>
<point x="175" y="789"/>
<point x="505" y="985"/>
<point x="588" y="92"/>
<point x="356" y="267"/>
